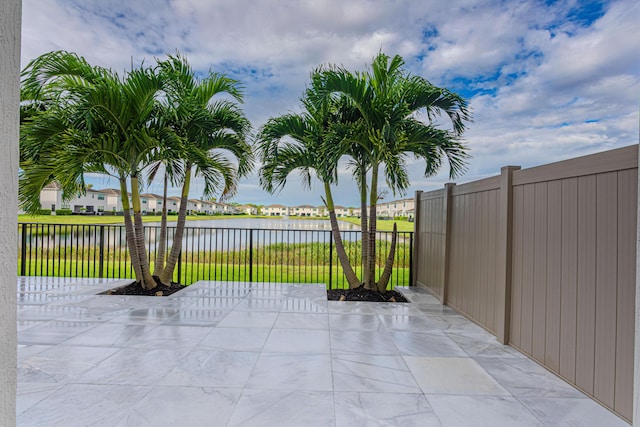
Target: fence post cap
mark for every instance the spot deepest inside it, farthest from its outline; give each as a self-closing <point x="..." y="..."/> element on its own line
<point x="510" y="168"/>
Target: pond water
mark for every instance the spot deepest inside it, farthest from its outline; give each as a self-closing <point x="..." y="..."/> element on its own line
<point x="200" y="235"/>
<point x="276" y="223"/>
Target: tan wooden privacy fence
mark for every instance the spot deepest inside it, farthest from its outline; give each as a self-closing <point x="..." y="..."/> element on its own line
<point x="545" y="259"/>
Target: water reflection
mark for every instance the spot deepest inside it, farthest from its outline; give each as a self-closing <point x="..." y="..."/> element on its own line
<point x="200" y="235"/>
<point x="268" y="223"/>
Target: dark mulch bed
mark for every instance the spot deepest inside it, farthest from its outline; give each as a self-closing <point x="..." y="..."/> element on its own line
<point x="135" y="288"/>
<point x="362" y="294"/>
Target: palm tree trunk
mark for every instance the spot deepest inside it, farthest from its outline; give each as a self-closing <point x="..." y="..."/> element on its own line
<point x="176" y="246"/>
<point x="130" y="232"/>
<point x="364" y="240"/>
<point x="148" y="283"/>
<point x="388" y="265"/>
<point x="373" y="201"/>
<point x="162" y="244"/>
<point x="352" y="279"/>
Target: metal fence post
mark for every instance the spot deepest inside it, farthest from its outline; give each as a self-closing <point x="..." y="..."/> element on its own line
<point x="411" y="259"/>
<point x="330" y="260"/>
<point x="23" y="251"/>
<point x="416" y="230"/>
<point x="251" y="255"/>
<point x="179" y="265"/>
<point x="101" y="260"/>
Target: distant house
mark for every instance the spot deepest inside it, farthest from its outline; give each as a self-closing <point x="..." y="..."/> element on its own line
<point x="227" y="209"/>
<point x="193" y="206"/>
<point x="395" y="208"/>
<point x="402" y="207"/>
<point x="112" y="199"/>
<point x="108" y="200"/>
<point x="247" y="209"/>
<point x="207" y="207"/>
<point x="275" y="210"/>
<point x="92" y="202"/>
<point x="51" y="197"/>
<point x="173" y="204"/>
<point x="303" y="210"/>
<point x="154" y="203"/>
<point x="341" y="211"/>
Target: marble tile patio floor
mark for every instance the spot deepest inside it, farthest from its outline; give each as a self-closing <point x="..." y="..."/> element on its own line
<point x="253" y="354"/>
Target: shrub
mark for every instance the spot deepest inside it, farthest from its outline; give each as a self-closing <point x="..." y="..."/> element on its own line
<point x="63" y="212"/>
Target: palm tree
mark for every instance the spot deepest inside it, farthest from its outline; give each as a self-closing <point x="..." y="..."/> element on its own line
<point x="389" y="101"/>
<point x="302" y="142"/>
<point x="210" y="132"/>
<point x="93" y="121"/>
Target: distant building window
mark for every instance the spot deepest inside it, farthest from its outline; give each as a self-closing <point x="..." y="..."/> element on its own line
<point x="144" y="201"/>
<point x="100" y="196"/>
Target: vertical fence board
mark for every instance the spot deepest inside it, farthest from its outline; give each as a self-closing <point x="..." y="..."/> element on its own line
<point x="465" y="243"/>
<point x="554" y="276"/>
<point x="474" y="285"/>
<point x="539" y="271"/>
<point x="569" y="292"/>
<point x="456" y="252"/>
<point x="606" y="286"/>
<point x="585" y="339"/>
<point x="516" y="282"/>
<point x="484" y="256"/>
<point x="528" y="253"/>
<point x="493" y="263"/>
<point x="626" y="265"/>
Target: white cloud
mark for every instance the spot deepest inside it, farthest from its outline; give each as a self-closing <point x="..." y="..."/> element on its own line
<point x="544" y="85"/>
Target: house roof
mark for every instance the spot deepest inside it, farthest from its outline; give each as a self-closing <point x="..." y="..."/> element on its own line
<point x="151" y="196"/>
<point x="52" y="186"/>
<point x="109" y="191"/>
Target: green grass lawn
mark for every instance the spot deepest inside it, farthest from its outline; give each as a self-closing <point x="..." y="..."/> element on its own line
<point x="383" y="225"/>
<point x="193" y="272"/>
<point x="299" y="263"/>
<point x="94" y="219"/>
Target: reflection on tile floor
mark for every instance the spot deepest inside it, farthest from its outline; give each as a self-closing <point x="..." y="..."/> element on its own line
<point x="254" y="354"/>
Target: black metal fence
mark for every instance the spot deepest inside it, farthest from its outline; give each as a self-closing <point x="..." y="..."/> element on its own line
<point x="226" y="254"/>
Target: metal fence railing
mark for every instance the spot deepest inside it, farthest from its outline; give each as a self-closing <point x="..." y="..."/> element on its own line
<point x="226" y="254"/>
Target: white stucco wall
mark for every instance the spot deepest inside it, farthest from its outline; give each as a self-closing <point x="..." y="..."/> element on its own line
<point x="50" y="196"/>
<point x="10" y="19"/>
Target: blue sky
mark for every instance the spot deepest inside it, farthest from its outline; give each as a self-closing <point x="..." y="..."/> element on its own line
<point x="546" y="81"/>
